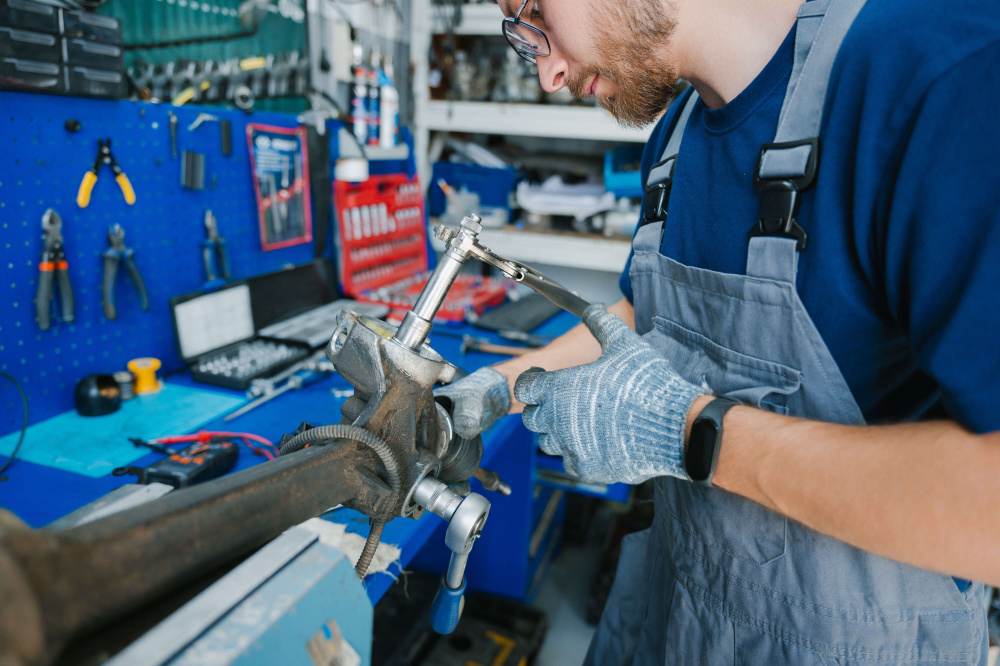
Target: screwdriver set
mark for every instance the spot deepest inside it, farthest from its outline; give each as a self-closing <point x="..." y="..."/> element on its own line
<point x="382" y="243"/>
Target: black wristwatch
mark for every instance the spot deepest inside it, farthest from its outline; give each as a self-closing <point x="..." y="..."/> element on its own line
<point x="702" y="452"/>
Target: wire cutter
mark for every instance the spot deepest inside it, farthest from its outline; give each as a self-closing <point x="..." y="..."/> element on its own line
<point x="214" y="243"/>
<point x="104" y="156"/>
<point x="53" y="261"/>
<point x="112" y="256"/>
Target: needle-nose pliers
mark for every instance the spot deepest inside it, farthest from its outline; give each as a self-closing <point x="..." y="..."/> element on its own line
<point x="53" y="263"/>
<point x="104" y="156"/>
<point x="112" y="256"/>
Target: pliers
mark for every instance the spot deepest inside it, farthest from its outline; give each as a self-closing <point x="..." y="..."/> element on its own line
<point x="214" y="242"/>
<point x="104" y="156"/>
<point x="114" y="254"/>
<point x="53" y="261"/>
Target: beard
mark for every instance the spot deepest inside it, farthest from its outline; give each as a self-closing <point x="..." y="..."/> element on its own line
<point x="629" y="32"/>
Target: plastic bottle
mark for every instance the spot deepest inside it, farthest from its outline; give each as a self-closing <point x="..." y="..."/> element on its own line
<point x="389" y="125"/>
<point x="374" y="100"/>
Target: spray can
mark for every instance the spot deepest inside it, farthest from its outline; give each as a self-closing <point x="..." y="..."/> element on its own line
<point x="359" y="96"/>
<point x="389" y="110"/>
<point x="374" y="95"/>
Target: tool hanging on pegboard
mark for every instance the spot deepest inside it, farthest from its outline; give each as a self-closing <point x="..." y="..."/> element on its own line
<point x="240" y="81"/>
<point x="104" y="156"/>
<point x="53" y="264"/>
<point x="116" y="253"/>
<point x="214" y="251"/>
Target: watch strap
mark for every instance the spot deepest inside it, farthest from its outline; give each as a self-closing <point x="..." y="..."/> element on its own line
<point x="702" y="454"/>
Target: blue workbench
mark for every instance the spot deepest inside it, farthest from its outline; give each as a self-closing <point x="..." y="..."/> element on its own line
<point x="40" y="494"/>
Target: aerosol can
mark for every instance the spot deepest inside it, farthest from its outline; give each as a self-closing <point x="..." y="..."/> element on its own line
<point x="389" y="109"/>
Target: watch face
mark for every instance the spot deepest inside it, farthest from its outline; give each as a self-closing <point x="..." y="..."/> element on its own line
<point x="700" y="453"/>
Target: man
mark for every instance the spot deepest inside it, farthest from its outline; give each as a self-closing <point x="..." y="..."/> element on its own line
<point x="845" y="276"/>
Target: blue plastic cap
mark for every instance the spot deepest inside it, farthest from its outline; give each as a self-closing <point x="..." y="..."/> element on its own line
<point x="446" y="609"/>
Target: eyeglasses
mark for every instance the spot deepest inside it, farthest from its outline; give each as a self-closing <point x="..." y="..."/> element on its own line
<point x="528" y="41"/>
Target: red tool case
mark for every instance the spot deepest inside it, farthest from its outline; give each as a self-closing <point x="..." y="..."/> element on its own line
<point x="382" y="240"/>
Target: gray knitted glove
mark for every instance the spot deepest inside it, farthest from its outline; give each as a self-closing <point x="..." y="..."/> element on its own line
<point x="620" y="418"/>
<point x="479" y="399"/>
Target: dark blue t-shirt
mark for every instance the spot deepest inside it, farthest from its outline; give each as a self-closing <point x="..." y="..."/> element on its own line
<point x="902" y="272"/>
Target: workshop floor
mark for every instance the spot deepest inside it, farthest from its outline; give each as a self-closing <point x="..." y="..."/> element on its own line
<point x="563" y="597"/>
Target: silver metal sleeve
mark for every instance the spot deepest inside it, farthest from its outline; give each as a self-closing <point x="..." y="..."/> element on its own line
<point x="437" y="497"/>
<point x="417" y="324"/>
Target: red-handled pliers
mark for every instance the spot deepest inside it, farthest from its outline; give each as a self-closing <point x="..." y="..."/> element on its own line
<point x="53" y="264"/>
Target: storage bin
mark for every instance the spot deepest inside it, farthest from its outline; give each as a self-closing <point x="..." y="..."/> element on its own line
<point x="92" y="27"/>
<point x="84" y="53"/>
<point x="492" y="185"/>
<point x="95" y="82"/>
<point x="27" y="15"/>
<point x="28" y="45"/>
<point x="622" y="175"/>
<point x="27" y="75"/>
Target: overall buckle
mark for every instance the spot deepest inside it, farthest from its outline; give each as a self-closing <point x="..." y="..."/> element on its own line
<point x="779" y="202"/>
<point x="657" y="196"/>
<point x="779" y="193"/>
<point x="656" y="199"/>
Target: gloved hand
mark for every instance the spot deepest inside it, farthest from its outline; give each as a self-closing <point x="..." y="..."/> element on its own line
<point x="479" y="399"/>
<point x="619" y="419"/>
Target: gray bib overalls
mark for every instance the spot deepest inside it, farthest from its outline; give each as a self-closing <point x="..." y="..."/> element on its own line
<point x="719" y="579"/>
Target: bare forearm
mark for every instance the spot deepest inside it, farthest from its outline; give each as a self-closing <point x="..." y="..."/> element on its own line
<point x="919" y="493"/>
<point x="575" y="347"/>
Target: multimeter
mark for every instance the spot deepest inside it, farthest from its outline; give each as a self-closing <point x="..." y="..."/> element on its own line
<point x="194" y="464"/>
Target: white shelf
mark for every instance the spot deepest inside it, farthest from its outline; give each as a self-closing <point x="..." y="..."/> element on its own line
<point x="481" y="19"/>
<point x="548" y="120"/>
<point x="559" y="249"/>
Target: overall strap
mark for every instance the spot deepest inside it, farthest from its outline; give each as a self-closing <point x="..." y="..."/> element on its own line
<point x="788" y="165"/>
<point x="661" y="174"/>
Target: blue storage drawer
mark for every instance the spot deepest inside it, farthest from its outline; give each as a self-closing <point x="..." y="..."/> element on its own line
<point x="492" y="185"/>
<point x="622" y="175"/>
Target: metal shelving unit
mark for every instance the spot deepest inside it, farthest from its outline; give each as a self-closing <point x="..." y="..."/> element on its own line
<point x="550" y="120"/>
<point x="546" y="120"/>
<point x="543" y="120"/>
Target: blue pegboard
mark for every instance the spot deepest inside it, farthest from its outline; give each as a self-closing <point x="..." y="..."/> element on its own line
<point x="42" y="165"/>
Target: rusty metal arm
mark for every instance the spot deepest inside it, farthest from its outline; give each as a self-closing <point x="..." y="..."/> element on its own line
<point x="56" y="585"/>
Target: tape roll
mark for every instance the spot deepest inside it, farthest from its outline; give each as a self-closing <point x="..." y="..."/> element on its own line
<point x="144" y="370"/>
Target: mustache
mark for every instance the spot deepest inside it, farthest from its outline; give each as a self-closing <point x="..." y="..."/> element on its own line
<point x="578" y="84"/>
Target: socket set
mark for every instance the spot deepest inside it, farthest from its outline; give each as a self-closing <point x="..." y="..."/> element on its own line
<point x="381" y="234"/>
<point x="382" y="246"/>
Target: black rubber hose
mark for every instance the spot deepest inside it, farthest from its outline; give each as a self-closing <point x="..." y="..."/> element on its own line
<point x="381" y="449"/>
<point x="371" y="544"/>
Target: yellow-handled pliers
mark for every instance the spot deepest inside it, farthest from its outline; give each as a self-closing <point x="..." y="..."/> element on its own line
<point x="104" y="156"/>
